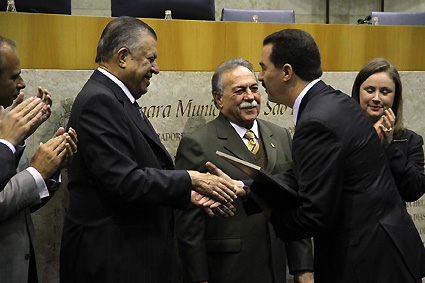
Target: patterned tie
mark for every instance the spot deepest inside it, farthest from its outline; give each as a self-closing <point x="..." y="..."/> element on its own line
<point x="253" y="145"/>
<point x="138" y="108"/>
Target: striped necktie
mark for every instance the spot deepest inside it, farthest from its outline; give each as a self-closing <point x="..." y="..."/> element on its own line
<point x="138" y="108"/>
<point x="253" y="145"/>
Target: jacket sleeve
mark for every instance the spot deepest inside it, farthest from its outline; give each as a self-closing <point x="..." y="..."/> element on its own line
<point x="407" y="166"/>
<point x="7" y="161"/>
<point x="190" y="223"/>
<point x="18" y="194"/>
<point x="300" y="255"/>
<point x="105" y="133"/>
<point x="319" y="156"/>
<point x="53" y="185"/>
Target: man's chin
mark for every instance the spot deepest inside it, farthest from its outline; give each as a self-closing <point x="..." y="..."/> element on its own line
<point x="7" y="104"/>
<point x="251" y="116"/>
<point x="271" y="99"/>
<point x="142" y="92"/>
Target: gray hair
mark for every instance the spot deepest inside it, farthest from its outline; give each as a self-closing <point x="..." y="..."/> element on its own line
<point x="121" y="32"/>
<point x="217" y="79"/>
<point x="5" y="42"/>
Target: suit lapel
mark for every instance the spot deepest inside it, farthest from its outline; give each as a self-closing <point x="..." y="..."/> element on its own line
<point x="317" y="88"/>
<point x="269" y="144"/>
<point x="231" y="140"/>
<point x="234" y="144"/>
<point x="142" y="124"/>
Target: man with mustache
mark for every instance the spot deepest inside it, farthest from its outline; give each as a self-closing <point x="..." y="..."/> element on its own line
<point x="240" y="248"/>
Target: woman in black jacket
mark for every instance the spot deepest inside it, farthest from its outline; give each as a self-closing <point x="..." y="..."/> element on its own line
<point x="378" y="90"/>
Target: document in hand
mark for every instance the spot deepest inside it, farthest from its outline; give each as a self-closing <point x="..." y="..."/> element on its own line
<point x="268" y="187"/>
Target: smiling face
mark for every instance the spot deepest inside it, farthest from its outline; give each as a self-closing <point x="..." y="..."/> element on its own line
<point x="11" y="81"/>
<point x="376" y="94"/>
<point x="140" y="66"/>
<point x="240" y="102"/>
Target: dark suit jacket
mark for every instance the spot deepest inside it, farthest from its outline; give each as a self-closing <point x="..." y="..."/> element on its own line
<point x="119" y="225"/>
<point x="8" y="165"/>
<point x="238" y="248"/>
<point x="406" y="157"/>
<point x="349" y="201"/>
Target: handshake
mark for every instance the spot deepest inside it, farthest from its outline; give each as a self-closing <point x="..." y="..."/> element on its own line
<point x="215" y="191"/>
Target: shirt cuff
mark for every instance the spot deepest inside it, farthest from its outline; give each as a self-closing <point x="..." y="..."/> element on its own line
<point x="41" y="185"/>
<point x="9" y="145"/>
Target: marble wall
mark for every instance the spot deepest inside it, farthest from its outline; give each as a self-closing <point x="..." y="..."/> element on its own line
<point x="101" y="8"/>
<point x="176" y="103"/>
<point x="306" y="11"/>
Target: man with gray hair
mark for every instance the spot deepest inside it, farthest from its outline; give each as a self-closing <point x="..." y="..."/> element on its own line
<point x="119" y="225"/>
<point x="241" y="248"/>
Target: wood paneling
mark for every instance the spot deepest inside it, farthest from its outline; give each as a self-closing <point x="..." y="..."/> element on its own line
<point x="69" y="42"/>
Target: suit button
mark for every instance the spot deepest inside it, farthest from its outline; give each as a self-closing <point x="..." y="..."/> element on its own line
<point x="27" y="256"/>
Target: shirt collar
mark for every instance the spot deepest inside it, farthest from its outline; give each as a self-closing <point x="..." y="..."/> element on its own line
<point x="241" y="130"/>
<point x="300" y="98"/>
<point x="118" y="82"/>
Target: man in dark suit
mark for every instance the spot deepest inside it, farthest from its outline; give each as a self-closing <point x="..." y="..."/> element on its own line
<point x="25" y="186"/>
<point x="119" y="225"/>
<point x="240" y="248"/>
<point x="347" y="197"/>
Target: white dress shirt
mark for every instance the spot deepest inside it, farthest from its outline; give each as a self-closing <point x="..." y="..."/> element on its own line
<point x="119" y="83"/>
<point x="241" y="131"/>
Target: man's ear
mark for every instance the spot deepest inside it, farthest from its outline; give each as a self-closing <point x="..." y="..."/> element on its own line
<point x="123" y="57"/>
<point x="217" y="98"/>
<point x="287" y="72"/>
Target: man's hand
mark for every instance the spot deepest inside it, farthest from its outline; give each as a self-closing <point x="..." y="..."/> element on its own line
<point x="237" y="185"/>
<point x="49" y="157"/>
<point x="304" y="277"/>
<point x="211" y="207"/>
<point x="210" y="185"/>
<point x="44" y="96"/>
<point x="71" y="147"/>
<point x="18" y="100"/>
<point x="47" y="100"/>
<point x="22" y="120"/>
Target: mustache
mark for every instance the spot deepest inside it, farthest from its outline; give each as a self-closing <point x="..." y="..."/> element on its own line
<point x="247" y="104"/>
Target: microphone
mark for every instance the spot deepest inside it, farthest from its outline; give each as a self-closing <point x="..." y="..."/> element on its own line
<point x="365" y="20"/>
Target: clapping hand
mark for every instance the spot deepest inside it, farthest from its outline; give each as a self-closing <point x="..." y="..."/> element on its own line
<point x="385" y="127"/>
<point x="22" y="120"/>
<point x="71" y="145"/>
